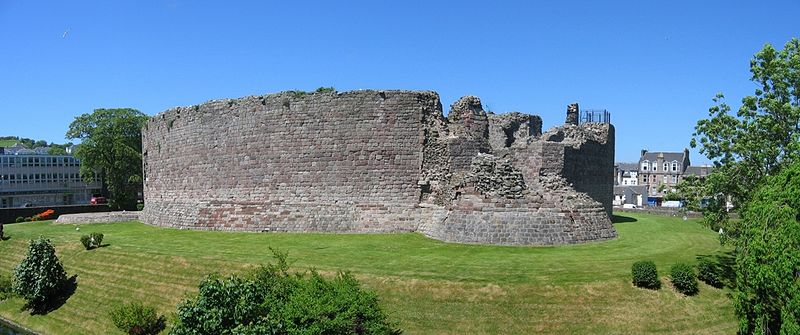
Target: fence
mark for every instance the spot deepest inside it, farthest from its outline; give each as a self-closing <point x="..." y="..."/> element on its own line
<point x="595" y="116"/>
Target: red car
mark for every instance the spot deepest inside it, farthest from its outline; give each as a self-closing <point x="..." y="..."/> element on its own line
<point x="97" y="200"/>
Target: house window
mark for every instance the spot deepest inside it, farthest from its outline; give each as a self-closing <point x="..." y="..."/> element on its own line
<point x="653" y="178"/>
<point x="655" y="166"/>
<point x="674" y="166"/>
<point x="674" y="179"/>
<point x="665" y="179"/>
<point x="666" y="166"/>
<point x="645" y="165"/>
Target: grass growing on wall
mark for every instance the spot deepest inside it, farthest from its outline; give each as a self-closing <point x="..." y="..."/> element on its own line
<point x="429" y="287"/>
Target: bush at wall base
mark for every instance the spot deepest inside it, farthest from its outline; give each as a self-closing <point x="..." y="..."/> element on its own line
<point x="683" y="278"/>
<point x="645" y="275"/>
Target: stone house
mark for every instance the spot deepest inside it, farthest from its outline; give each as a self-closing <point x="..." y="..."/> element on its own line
<point x="661" y="171"/>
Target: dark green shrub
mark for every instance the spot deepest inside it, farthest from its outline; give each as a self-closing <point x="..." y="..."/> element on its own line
<point x="20" y="219"/>
<point x="6" y="287"/>
<point x="710" y="272"/>
<point x="92" y="240"/>
<point x="683" y="278"/>
<point x="40" y="276"/>
<point x="271" y="300"/>
<point x="139" y="207"/>
<point x="325" y="90"/>
<point x="645" y="275"/>
<point x="137" y="319"/>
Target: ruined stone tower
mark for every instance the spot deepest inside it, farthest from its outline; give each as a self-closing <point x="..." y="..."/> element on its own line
<point x="378" y="161"/>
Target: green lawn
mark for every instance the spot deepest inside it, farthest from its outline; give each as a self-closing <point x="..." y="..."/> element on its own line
<point x="429" y="287"/>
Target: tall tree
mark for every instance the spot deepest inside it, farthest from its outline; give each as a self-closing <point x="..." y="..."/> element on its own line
<point x="757" y="154"/>
<point x="761" y="138"/>
<point x="111" y="145"/>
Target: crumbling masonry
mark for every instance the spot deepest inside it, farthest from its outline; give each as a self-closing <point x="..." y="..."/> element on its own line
<point x="378" y="161"/>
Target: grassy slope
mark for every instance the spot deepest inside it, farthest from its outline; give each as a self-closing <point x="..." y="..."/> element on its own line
<point x="428" y="286"/>
<point x="7" y="143"/>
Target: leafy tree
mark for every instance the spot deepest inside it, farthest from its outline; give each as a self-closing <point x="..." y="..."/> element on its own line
<point x="58" y="149"/>
<point x="691" y="191"/>
<point x="40" y="277"/>
<point x="273" y="301"/>
<point x="757" y="155"/>
<point x="767" y="297"/>
<point x="111" y="144"/>
<point x="760" y="139"/>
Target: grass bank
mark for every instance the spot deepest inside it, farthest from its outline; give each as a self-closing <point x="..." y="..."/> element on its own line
<point x="429" y="287"/>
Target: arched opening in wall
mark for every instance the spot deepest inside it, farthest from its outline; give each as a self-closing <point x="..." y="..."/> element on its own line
<point x="510" y="134"/>
<point x="425" y="192"/>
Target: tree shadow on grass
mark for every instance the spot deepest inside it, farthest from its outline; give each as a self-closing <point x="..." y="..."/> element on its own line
<point x="5" y="238"/>
<point x="620" y="219"/>
<point x="66" y="291"/>
<point x="725" y="266"/>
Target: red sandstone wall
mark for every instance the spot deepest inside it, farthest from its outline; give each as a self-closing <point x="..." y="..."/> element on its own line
<point x="288" y="162"/>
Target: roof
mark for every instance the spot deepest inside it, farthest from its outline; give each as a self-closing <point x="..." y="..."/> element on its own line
<point x="668" y="156"/>
<point x="630" y="189"/>
<point x="628" y="166"/>
<point x="703" y="170"/>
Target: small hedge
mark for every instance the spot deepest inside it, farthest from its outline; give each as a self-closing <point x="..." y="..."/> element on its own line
<point x="683" y="278"/>
<point x="6" y="287"/>
<point x="710" y="273"/>
<point x="137" y="319"/>
<point x="91" y="241"/>
<point x="645" y="275"/>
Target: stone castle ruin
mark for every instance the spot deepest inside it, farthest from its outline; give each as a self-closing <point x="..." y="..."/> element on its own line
<point x="375" y="162"/>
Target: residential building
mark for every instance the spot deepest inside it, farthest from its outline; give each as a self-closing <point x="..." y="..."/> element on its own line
<point x="661" y="171"/>
<point x="633" y="195"/>
<point x="626" y="174"/>
<point x="31" y="179"/>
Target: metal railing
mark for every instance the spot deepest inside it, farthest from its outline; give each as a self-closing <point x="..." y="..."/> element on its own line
<point x="595" y="116"/>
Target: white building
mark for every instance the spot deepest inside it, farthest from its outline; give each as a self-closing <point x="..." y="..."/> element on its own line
<point x="43" y="180"/>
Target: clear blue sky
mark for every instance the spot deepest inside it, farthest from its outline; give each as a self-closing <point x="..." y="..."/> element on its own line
<point x="654" y="65"/>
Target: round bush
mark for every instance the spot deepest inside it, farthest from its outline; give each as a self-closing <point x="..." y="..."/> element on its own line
<point x="138" y="319"/>
<point x="683" y="277"/>
<point x="710" y="273"/>
<point x="645" y="275"/>
<point x="91" y="241"/>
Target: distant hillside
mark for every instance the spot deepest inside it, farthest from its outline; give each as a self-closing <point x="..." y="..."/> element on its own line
<point x="9" y="141"/>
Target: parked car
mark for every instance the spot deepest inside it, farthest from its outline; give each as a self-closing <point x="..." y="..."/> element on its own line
<point x="98" y="200"/>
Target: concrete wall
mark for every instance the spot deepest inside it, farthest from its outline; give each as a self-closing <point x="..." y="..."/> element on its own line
<point x="374" y="161"/>
<point x="10" y="215"/>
